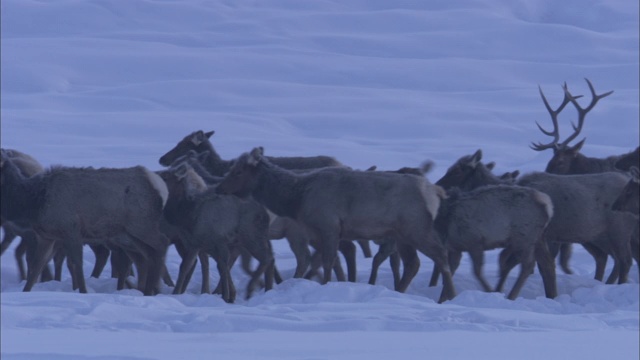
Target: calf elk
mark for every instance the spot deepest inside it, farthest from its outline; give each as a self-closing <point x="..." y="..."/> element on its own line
<point x="216" y="224"/>
<point x="568" y="159"/>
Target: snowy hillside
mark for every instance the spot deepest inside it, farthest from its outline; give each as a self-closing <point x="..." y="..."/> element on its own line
<point x="109" y="83"/>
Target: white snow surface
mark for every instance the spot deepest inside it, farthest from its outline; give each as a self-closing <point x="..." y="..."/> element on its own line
<point x="110" y="83"/>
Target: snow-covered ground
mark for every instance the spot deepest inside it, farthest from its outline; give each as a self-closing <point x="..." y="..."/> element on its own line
<point x="387" y="83"/>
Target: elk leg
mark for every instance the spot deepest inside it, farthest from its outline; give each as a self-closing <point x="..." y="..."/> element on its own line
<point x="394" y="262"/>
<point x="166" y="277"/>
<point x="454" y="260"/>
<point x="436" y="251"/>
<point x="25" y="248"/>
<point x="300" y="247"/>
<point x="42" y="255"/>
<point x="477" y="259"/>
<point x="384" y="251"/>
<point x="565" y="254"/>
<point x="120" y="267"/>
<point x="156" y="264"/>
<point x="337" y="269"/>
<point x="264" y="265"/>
<point x="411" y="263"/>
<point x="547" y="268"/>
<point x="435" y="275"/>
<point x="348" y="250"/>
<point x="262" y="250"/>
<point x="526" y="267"/>
<point x="615" y="273"/>
<point x="8" y="238"/>
<point x="205" y="287"/>
<point x="245" y="261"/>
<point x="73" y="250"/>
<point x="507" y="261"/>
<point x="222" y="262"/>
<point x="329" y="245"/>
<point x="620" y="248"/>
<point x="58" y="261"/>
<point x="315" y="264"/>
<point x="188" y="262"/>
<point x="600" y="257"/>
<point x="276" y="274"/>
<point x="102" y="255"/>
<point x="365" y="247"/>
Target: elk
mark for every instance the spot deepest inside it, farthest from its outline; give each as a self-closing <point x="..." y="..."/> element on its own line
<point x="388" y="249"/>
<point x="584" y="215"/>
<point x="629" y="201"/>
<point x="68" y="207"/>
<point x="217" y="225"/>
<point x="339" y="203"/>
<point x="28" y="166"/>
<point x="198" y="141"/>
<point x="510" y="217"/>
<point x="629" y="198"/>
<point x="194" y="159"/>
<point x="567" y="159"/>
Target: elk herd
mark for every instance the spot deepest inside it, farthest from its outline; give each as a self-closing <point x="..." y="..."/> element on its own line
<point x="228" y="209"/>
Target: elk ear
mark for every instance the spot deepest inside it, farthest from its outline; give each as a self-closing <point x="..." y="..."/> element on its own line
<point x="576" y="148"/>
<point x="197" y="138"/>
<point x="427" y="166"/>
<point x="255" y="156"/>
<point x="372" y="168"/>
<point x="635" y="173"/>
<point x="515" y="174"/>
<point x="475" y="159"/>
<point x="208" y="134"/>
<point x="490" y="165"/>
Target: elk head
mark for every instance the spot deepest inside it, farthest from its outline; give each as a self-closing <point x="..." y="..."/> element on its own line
<point x="565" y="157"/>
<point x="461" y="171"/>
<point x="629" y="199"/>
<point x="197" y="141"/>
<point x="241" y="179"/>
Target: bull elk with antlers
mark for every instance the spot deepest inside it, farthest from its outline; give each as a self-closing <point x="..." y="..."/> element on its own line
<point x="567" y="159"/>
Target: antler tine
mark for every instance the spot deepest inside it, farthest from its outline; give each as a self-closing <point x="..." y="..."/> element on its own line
<point x="582" y="112"/>
<point x="554" y="119"/>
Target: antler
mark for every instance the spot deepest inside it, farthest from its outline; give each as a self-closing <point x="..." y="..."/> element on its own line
<point x="582" y="112"/>
<point x="554" y="119"/>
